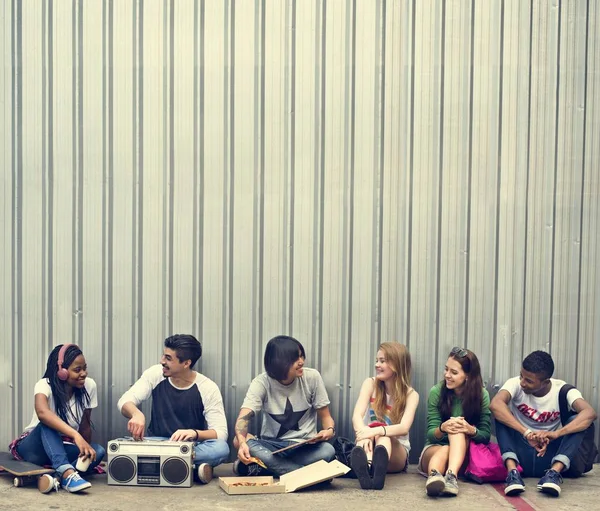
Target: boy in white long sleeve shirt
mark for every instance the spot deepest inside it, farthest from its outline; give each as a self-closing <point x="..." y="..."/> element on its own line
<point x="186" y="405"/>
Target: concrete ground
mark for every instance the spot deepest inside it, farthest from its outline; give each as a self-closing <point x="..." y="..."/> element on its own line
<point x="402" y="491"/>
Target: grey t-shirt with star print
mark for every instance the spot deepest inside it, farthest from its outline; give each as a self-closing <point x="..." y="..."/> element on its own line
<point x="289" y="411"/>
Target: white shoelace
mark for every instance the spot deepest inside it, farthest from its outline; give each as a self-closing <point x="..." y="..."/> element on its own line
<point x="73" y="477"/>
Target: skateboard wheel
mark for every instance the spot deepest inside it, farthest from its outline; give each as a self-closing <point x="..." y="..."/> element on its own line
<point x="18" y="481"/>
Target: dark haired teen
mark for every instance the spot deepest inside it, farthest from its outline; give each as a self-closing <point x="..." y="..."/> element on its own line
<point x="186" y="405"/>
<point x="291" y="397"/>
<point x="457" y="412"/>
<point x="64" y="399"/>
<point x="529" y="428"/>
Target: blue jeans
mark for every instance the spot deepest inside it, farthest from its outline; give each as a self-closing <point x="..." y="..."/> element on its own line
<point x="514" y="446"/>
<point x="292" y="459"/>
<point x="214" y="452"/>
<point x="44" y="446"/>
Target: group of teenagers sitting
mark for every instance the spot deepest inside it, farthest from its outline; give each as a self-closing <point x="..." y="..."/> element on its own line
<point x="188" y="406"/>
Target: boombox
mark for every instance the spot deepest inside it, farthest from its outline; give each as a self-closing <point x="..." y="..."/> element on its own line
<point x="150" y="463"/>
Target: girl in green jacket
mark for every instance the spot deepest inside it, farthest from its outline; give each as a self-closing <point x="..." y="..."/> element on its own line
<point x="458" y="410"/>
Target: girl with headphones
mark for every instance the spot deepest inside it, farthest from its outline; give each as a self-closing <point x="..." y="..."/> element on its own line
<point x="61" y="429"/>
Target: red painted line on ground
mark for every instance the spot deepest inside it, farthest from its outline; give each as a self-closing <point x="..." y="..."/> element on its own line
<point x="519" y="503"/>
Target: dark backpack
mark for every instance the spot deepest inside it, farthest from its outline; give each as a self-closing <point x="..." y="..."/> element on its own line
<point x="343" y="447"/>
<point x="586" y="456"/>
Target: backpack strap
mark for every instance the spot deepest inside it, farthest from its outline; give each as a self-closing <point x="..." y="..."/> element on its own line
<point x="565" y="413"/>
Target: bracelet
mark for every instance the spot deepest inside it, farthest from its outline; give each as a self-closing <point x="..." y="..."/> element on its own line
<point x="332" y="428"/>
<point x="526" y="433"/>
<point x="384" y="431"/>
<point x="197" y="435"/>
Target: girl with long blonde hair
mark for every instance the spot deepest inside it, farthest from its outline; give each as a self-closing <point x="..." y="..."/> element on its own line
<point x="383" y="415"/>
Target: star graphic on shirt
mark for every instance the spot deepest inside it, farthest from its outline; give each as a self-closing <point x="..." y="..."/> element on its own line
<point x="288" y="420"/>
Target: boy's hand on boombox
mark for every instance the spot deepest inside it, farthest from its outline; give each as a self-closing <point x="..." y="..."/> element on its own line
<point x="137" y="425"/>
<point x="182" y="435"/>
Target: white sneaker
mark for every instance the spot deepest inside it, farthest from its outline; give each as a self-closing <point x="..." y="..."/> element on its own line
<point x="205" y="473"/>
<point x="47" y="483"/>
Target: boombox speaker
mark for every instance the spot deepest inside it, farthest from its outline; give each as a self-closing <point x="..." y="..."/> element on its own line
<point x="150" y="463"/>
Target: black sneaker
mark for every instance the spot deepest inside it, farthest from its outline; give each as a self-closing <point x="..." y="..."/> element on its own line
<point x="250" y="470"/>
<point x="550" y="483"/>
<point x="514" y="483"/>
<point x="435" y="483"/>
<point x="379" y="468"/>
<point x="360" y="465"/>
<point x="450" y="484"/>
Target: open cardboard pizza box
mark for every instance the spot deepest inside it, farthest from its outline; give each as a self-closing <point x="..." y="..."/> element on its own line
<point x="296" y="480"/>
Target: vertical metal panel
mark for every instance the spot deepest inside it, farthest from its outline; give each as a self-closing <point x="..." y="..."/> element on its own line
<point x="31" y="306"/>
<point x="514" y="171"/>
<point x="426" y="177"/>
<point x="588" y="327"/>
<point x="569" y="179"/>
<point x="540" y="201"/>
<point x="8" y="369"/>
<point x="348" y="172"/>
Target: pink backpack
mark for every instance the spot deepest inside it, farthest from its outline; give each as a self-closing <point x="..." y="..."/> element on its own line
<point x="485" y="463"/>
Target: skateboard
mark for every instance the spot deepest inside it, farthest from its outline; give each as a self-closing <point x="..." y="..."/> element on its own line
<point x="25" y="473"/>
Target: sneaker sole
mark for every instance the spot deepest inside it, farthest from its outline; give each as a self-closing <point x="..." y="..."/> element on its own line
<point x="380" y="464"/>
<point x="206" y="476"/>
<point x="514" y="489"/>
<point x="79" y="488"/>
<point x="360" y="465"/>
<point x="449" y="491"/>
<point x="45" y="483"/>
<point x="434" y="488"/>
<point x="550" y="489"/>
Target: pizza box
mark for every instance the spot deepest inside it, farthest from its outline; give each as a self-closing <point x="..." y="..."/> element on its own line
<point x="296" y="480"/>
<point x="250" y="485"/>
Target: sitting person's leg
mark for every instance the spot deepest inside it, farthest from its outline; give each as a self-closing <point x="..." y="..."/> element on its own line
<point x="566" y="450"/>
<point x="209" y="454"/>
<point x="100" y="454"/>
<point x="434" y="461"/>
<point x="278" y="464"/>
<point x="398" y="455"/>
<point x="73" y="454"/>
<point x="311" y="453"/>
<point x="560" y="453"/>
<point x="458" y="451"/>
<point x="515" y="450"/>
<point x="436" y="458"/>
<point x="456" y="457"/>
<point x="381" y="460"/>
<point x="44" y="446"/>
<point x="214" y="452"/>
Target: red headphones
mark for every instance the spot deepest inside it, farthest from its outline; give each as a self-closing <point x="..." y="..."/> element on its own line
<point x="62" y="373"/>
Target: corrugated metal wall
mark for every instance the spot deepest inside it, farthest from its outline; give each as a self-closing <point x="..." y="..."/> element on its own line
<point x="347" y="172"/>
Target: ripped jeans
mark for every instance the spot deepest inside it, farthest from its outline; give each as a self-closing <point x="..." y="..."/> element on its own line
<point x="292" y="459"/>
